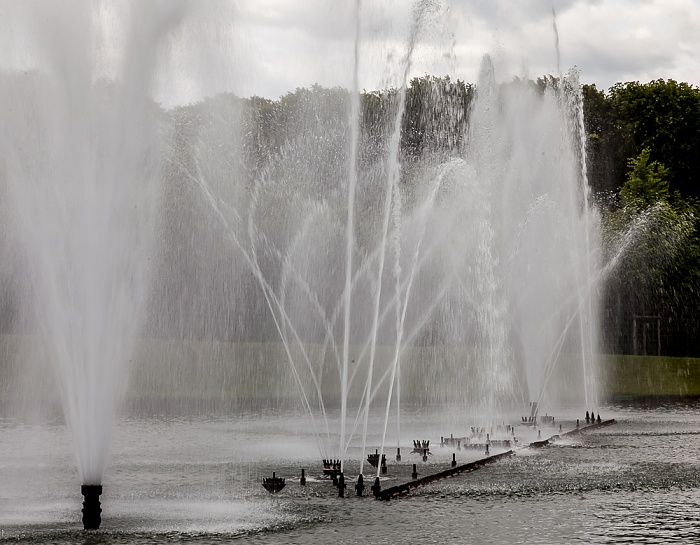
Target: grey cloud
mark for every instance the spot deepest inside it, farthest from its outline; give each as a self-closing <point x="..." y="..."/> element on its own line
<point x="297" y="43"/>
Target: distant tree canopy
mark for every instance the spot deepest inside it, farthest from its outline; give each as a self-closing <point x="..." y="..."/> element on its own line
<point x="661" y="116"/>
<point x="647" y="182"/>
<point x="435" y="116"/>
<point x="642" y="141"/>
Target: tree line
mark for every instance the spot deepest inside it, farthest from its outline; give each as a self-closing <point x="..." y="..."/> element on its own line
<point x="642" y="145"/>
<point x="643" y="141"/>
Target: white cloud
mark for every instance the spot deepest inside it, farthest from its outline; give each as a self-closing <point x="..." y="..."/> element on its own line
<point x="608" y="40"/>
<point x="631" y="40"/>
<point x="270" y="47"/>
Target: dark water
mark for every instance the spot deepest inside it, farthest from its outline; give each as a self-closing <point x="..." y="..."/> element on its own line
<point x="198" y="481"/>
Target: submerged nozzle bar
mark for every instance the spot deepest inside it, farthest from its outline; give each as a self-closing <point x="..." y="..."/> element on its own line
<point x="91" y="506"/>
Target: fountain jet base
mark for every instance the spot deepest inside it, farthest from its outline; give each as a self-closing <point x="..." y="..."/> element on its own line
<point x="91" y="506"/>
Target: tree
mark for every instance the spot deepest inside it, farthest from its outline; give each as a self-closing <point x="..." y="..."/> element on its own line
<point x="610" y="142"/>
<point x="652" y="246"/>
<point x="664" y="116"/>
<point x="436" y="115"/>
<point x="647" y="182"/>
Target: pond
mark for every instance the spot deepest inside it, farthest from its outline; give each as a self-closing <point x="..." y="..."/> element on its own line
<point x="198" y="480"/>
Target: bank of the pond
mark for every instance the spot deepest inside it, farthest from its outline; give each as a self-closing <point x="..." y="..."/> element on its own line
<point x="634" y="378"/>
<point x="208" y="374"/>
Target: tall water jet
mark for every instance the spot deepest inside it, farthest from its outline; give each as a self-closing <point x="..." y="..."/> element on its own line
<point x="81" y="162"/>
<point x="350" y="232"/>
<point x="526" y="146"/>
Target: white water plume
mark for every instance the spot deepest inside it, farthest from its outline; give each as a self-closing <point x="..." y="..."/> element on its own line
<point x="81" y="160"/>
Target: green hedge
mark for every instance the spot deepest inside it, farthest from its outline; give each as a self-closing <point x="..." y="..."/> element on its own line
<point x="650" y="376"/>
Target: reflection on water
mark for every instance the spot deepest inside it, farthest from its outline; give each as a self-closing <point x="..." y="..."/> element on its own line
<point x="199" y="481"/>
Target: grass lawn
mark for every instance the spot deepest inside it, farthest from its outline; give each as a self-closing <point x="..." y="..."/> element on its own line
<point x="650" y="376"/>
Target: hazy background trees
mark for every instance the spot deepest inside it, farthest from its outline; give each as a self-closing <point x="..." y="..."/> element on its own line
<point x="643" y="141"/>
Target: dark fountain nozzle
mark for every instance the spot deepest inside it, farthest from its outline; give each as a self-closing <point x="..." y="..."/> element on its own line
<point x="360" y="486"/>
<point x="91" y="506"/>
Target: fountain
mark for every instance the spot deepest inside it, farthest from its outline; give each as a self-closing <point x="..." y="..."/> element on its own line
<point x="476" y="265"/>
<point x="81" y="168"/>
<point x="475" y="260"/>
<point x="457" y="271"/>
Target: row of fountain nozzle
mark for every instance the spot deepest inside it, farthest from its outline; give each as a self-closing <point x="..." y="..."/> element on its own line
<point x="591" y="418"/>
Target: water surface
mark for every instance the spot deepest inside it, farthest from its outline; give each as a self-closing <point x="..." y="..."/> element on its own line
<point x="198" y="481"/>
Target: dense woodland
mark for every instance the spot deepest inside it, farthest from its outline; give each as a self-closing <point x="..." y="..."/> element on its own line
<point x="643" y="142"/>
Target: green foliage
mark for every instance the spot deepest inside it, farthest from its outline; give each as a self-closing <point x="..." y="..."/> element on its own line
<point x="610" y="141"/>
<point x="647" y="182"/>
<point x="652" y="237"/>
<point x="651" y="227"/>
<point x="435" y="116"/>
<point x="547" y="82"/>
<point x="664" y="116"/>
<point x="642" y="142"/>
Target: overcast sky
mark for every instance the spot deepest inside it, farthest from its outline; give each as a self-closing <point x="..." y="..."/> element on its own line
<point x="270" y="47"/>
<point x="283" y="44"/>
